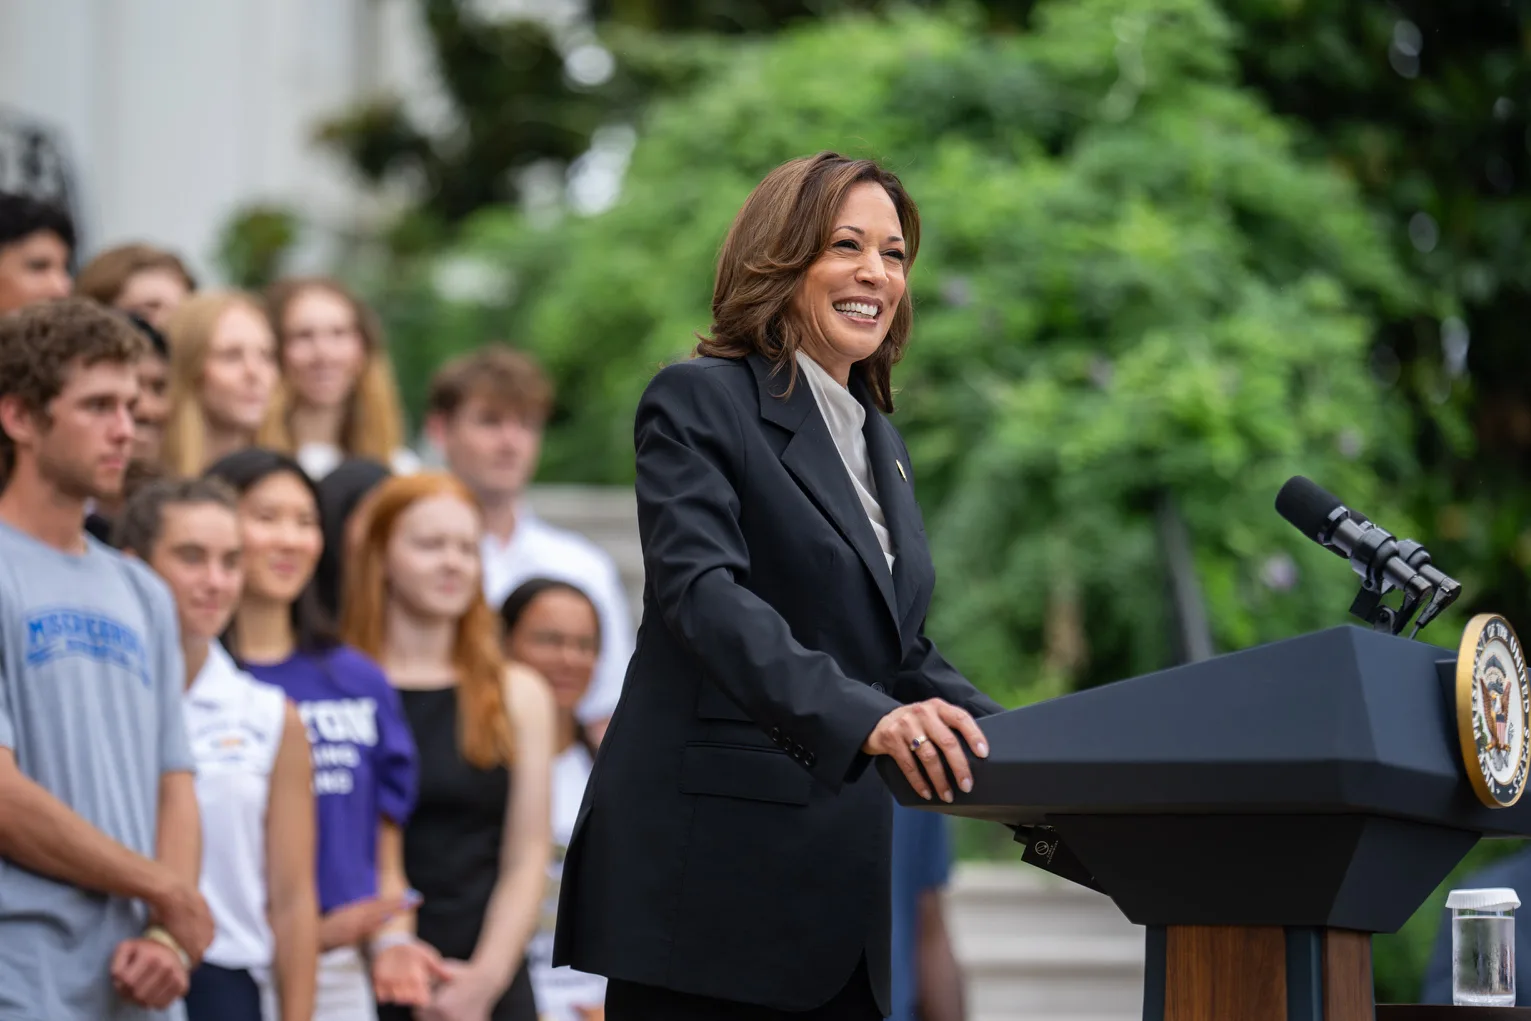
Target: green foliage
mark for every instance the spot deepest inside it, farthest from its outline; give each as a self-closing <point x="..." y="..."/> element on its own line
<point x="255" y="243"/>
<point x="1131" y="291"/>
<point x="515" y="107"/>
<point x="1425" y="106"/>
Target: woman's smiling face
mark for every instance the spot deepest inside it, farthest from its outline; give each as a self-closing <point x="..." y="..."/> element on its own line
<point x="847" y="298"/>
<point x="279" y="523"/>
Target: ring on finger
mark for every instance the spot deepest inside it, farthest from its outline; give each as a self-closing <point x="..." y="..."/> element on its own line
<point x="914" y="746"/>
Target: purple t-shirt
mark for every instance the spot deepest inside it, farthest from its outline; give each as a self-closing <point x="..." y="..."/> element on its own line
<point x="364" y="761"/>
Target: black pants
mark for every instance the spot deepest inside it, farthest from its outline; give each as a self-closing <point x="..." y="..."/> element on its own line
<point x="222" y="994"/>
<point x="632" y="1001"/>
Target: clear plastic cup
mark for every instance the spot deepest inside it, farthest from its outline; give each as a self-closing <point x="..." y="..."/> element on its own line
<point x="1483" y="947"/>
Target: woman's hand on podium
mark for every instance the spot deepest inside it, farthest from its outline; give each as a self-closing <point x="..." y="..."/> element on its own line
<point x="919" y="735"/>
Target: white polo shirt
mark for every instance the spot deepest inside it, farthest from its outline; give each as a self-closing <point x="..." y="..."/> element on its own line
<point x="235" y="726"/>
<point x="539" y="550"/>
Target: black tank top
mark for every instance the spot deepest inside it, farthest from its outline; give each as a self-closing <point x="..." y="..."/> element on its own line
<point x="452" y="842"/>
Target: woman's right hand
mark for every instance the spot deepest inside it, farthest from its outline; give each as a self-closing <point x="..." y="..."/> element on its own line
<point x="349" y="925"/>
<point x="919" y="735"/>
<point x="406" y="973"/>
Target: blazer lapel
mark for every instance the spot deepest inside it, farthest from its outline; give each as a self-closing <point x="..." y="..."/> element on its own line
<point x="813" y="459"/>
<point x="894" y="495"/>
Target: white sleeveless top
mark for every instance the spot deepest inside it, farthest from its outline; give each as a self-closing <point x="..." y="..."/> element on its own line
<point x="560" y="992"/>
<point x="235" y="726"/>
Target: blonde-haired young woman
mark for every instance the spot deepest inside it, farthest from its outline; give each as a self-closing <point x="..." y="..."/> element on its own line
<point x="478" y="843"/>
<point x="223" y="379"/>
<point x="340" y="398"/>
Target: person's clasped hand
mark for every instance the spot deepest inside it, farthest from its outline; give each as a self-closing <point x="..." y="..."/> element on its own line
<point x="148" y="973"/>
<point x="919" y="735"/>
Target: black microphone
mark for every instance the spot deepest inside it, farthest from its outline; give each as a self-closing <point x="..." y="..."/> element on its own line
<point x="1383" y="562"/>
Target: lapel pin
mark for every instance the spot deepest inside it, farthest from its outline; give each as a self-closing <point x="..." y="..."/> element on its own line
<point x="901" y="469"/>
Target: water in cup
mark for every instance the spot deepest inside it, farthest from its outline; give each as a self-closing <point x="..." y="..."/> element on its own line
<point x="1483" y="966"/>
<point x="1483" y="947"/>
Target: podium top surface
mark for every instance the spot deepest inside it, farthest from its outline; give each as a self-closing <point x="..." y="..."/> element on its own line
<point x="1343" y="721"/>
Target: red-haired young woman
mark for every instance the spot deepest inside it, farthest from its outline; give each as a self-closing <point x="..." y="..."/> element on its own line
<point x="478" y="843"/>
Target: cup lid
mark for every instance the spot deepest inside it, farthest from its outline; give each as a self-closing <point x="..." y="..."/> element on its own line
<point x="1483" y="900"/>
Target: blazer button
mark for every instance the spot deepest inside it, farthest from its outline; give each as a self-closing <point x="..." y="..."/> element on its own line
<point x="808" y="759"/>
<point x="879" y="688"/>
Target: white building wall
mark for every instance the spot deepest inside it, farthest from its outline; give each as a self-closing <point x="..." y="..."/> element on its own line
<point x="175" y="113"/>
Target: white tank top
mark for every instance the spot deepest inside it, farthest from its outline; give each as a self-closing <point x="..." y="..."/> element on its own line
<point x="560" y="992"/>
<point x="235" y="726"/>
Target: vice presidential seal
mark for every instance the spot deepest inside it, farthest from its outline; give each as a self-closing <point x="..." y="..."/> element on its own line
<point x="1493" y="710"/>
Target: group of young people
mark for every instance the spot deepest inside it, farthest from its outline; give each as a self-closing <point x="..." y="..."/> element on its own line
<point x="290" y="726"/>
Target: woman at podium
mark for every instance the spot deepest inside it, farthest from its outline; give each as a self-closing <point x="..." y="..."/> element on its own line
<point x="731" y="856"/>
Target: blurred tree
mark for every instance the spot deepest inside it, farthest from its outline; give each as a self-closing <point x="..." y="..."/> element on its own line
<point x="1132" y="293"/>
<point x="514" y="106"/>
<point x="254" y="245"/>
<point x="723" y="16"/>
<point x="1425" y="106"/>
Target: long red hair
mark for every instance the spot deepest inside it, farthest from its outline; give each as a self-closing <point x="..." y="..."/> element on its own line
<point x="484" y="731"/>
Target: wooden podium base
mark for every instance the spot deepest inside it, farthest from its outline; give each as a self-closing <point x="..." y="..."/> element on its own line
<point x="1257" y="973"/>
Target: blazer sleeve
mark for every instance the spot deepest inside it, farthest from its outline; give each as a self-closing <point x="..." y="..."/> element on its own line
<point x="925" y="673"/>
<point x="690" y="442"/>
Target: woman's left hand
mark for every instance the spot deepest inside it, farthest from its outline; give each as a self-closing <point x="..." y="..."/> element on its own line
<point x="465" y="994"/>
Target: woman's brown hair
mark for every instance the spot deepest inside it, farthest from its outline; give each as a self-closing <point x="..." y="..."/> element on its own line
<point x="783" y="228"/>
<point x="105" y="276"/>
<point x="374" y="422"/>
<point x="483" y="719"/>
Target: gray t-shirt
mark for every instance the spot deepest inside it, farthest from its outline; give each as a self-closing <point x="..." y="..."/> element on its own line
<point x="91" y="681"/>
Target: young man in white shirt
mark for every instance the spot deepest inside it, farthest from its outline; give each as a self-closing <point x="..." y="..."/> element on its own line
<point x="486" y="413"/>
<point x="100" y="845"/>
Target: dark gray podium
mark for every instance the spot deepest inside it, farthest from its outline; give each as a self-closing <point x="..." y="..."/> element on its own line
<point x="1262" y="813"/>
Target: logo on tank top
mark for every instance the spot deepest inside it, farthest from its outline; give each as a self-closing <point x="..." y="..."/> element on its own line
<point x="337" y="728"/>
<point x="60" y="633"/>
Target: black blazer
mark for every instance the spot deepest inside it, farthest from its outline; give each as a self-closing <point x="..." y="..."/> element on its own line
<point x="732" y="842"/>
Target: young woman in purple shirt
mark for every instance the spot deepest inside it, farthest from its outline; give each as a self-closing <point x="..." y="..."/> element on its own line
<point x="363" y="755"/>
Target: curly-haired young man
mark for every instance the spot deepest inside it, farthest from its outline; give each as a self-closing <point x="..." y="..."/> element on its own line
<point x="100" y="842"/>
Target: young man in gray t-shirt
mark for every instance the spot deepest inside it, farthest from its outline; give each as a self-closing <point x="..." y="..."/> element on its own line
<point x="100" y="842"/>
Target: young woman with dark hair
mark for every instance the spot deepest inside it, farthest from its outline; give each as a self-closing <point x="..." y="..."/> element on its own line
<point x="554" y="628"/>
<point x="363" y="756"/>
<point x="343" y="494"/>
